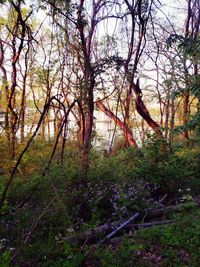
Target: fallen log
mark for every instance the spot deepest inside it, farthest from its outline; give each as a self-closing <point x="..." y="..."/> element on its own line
<point x="158" y="212"/>
<point x="139" y="226"/>
<point x="123" y="225"/>
<point x="93" y="235"/>
<point x="153" y="213"/>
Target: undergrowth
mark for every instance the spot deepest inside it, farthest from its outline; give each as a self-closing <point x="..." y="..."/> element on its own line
<point x="42" y="211"/>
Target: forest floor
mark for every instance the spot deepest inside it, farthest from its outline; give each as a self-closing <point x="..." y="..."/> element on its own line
<point x="164" y="236"/>
<point x="135" y="208"/>
<point x="176" y="243"/>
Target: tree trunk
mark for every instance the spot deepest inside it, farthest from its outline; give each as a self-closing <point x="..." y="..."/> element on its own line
<point x="88" y="127"/>
<point x="172" y="121"/>
<point x="126" y="131"/>
<point x="22" y="112"/>
<point x="142" y="110"/>
<point x="186" y="98"/>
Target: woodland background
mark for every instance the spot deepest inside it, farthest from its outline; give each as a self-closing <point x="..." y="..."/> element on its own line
<point x="99" y="133"/>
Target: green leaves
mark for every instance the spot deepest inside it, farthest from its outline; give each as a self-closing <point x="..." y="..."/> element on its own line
<point x="195" y="85"/>
<point x="174" y="39"/>
<point x="4" y="259"/>
<point x="3" y="1"/>
<point x="192" y="123"/>
<point x="189" y="47"/>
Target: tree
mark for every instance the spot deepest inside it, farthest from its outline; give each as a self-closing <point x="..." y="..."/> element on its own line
<point x="17" y="32"/>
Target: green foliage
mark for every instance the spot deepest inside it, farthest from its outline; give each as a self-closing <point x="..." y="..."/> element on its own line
<point x="174" y="39"/>
<point x="188" y="46"/>
<point x="119" y="190"/>
<point x="3" y="1"/>
<point x="192" y="125"/>
<point x="55" y="253"/>
<point x="48" y="209"/>
<point x="195" y="85"/>
<point x="4" y="259"/>
<point x="176" y="244"/>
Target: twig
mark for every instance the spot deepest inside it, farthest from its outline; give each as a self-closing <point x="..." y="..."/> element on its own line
<point x="33" y="226"/>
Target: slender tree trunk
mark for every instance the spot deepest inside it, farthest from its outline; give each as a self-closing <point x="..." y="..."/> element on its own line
<point x="23" y="99"/>
<point x="5" y="90"/>
<point x="43" y="129"/>
<point x="88" y="123"/>
<point x="167" y="117"/>
<point x="172" y="120"/>
<point x="186" y="98"/>
<point x="23" y="107"/>
<point x="89" y="77"/>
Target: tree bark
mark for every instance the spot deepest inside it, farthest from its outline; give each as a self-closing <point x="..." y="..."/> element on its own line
<point x="126" y="131"/>
<point x="143" y="111"/>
